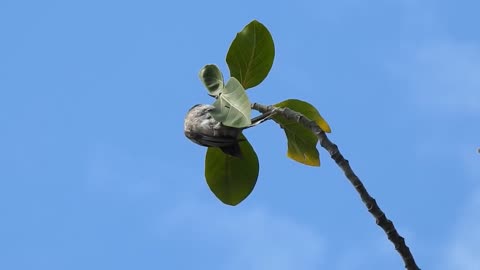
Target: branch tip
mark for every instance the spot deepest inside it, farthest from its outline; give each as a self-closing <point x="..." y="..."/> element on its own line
<point x="380" y="218"/>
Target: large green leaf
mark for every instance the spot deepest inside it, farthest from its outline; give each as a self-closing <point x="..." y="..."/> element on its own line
<point x="232" y="106"/>
<point x="232" y="179"/>
<point x="251" y="54"/>
<point x="212" y="78"/>
<point x="301" y="141"/>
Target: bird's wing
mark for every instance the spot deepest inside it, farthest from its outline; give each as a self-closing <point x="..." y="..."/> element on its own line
<point x="215" y="141"/>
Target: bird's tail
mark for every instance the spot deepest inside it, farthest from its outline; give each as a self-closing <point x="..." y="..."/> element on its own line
<point x="232" y="150"/>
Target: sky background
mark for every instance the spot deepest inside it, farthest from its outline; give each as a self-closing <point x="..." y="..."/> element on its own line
<point x="95" y="172"/>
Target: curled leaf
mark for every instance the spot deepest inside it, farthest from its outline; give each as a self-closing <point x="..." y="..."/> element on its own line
<point x="212" y="78"/>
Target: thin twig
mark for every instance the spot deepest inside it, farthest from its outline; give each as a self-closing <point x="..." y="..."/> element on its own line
<point x="372" y="206"/>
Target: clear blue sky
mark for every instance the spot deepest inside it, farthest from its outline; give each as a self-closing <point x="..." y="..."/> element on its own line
<point x="95" y="172"/>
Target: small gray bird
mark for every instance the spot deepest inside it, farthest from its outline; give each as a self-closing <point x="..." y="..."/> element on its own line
<point x="201" y="128"/>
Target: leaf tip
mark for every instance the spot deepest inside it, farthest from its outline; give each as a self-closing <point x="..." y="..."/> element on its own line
<point x="324" y="126"/>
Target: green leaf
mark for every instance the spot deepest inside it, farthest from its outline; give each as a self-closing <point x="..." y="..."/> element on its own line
<point x="212" y="78"/>
<point x="301" y="141"/>
<point x="232" y="179"/>
<point x="232" y="107"/>
<point x="251" y="54"/>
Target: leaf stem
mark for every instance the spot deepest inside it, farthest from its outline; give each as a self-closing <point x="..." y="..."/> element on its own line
<point x="372" y="206"/>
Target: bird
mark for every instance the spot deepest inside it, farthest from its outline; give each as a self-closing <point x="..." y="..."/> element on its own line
<point x="201" y="128"/>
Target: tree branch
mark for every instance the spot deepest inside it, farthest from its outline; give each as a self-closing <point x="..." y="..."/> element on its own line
<point x="372" y="206"/>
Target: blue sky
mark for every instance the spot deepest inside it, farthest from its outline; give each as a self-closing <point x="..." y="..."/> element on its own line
<point x="96" y="173"/>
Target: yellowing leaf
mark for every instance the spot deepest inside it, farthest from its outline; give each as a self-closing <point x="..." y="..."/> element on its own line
<point x="306" y="109"/>
<point x="301" y="141"/>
